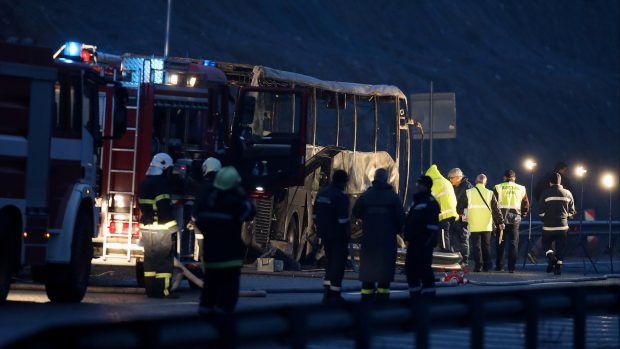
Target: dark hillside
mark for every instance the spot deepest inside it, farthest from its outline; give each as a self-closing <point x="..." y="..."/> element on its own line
<point x="531" y="78"/>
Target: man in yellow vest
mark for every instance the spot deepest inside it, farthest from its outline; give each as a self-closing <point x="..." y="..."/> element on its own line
<point x="514" y="204"/>
<point x="478" y="207"/>
<point x="443" y="191"/>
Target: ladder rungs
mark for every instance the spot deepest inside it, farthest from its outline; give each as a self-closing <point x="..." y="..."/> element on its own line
<point x="124" y="149"/>
<point x="131" y="129"/>
<point x="123" y="246"/>
<point x="122" y="171"/>
<point x="120" y="192"/>
<point x="131" y="107"/>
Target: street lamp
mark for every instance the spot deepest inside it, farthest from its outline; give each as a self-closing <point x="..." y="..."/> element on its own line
<point x="530" y="165"/>
<point x="580" y="172"/>
<point x="609" y="182"/>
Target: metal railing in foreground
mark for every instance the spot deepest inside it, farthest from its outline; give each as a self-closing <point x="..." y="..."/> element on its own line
<point x="294" y="326"/>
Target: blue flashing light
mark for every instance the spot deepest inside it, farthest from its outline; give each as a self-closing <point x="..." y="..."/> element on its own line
<point x="72" y="49"/>
<point x="209" y="63"/>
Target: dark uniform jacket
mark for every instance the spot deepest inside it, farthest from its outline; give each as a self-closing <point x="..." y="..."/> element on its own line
<point x="422" y="223"/>
<point x="543" y="184"/>
<point x="382" y="215"/>
<point x="219" y="216"/>
<point x="331" y="213"/>
<point x="155" y="205"/>
<point x="460" y="189"/>
<point x="555" y="207"/>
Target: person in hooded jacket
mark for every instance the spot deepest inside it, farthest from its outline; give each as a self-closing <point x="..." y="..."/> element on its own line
<point x="158" y="227"/>
<point x="421" y="231"/>
<point x="443" y="191"/>
<point x="220" y="213"/>
<point x="459" y="234"/>
<point x="331" y="216"/>
<point x="382" y="215"/>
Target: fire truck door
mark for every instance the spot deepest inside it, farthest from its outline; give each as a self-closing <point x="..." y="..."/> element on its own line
<point x="269" y="137"/>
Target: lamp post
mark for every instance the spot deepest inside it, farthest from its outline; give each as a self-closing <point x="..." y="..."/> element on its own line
<point x="529" y="165"/>
<point x="580" y="173"/>
<point x="609" y="181"/>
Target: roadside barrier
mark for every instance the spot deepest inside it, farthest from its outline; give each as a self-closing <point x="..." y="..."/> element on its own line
<point x="294" y="326"/>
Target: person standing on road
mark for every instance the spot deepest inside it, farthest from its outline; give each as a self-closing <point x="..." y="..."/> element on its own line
<point x="382" y="215"/>
<point x="563" y="169"/>
<point x="459" y="233"/>
<point x="331" y="216"/>
<point x="555" y="208"/>
<point x="514" y="204"/>
<point x="421" y="230"/>
<point x="443" y="192"/>
<point x="158" y="227"/>
<point x="482" y="211"/>
<point x="220" y="213"/>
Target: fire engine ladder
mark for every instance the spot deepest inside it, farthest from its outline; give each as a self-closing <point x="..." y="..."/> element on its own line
<point x="126" y="234"/>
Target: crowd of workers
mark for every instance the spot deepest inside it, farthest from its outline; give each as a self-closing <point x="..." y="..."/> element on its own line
<point x="446" y="214"/>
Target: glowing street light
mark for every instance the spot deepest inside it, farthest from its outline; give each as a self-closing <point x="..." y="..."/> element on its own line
<point x="530" y="165"/>
<point x="580" y="171"/>
<point x="608" y="181"/>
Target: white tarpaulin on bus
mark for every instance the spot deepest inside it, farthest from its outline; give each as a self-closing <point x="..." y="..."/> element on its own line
<point x="361" y="167"/>
<point x="260" y="72"/>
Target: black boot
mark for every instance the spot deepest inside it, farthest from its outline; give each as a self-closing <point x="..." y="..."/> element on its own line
<point x="558" y="268"/>
<point x="552" y="260"/>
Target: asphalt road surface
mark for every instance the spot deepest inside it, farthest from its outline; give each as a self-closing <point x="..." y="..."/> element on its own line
<point x="113" y="296"/>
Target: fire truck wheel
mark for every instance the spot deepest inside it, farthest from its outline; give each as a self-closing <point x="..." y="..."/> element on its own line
<point x="6" y="256"/>
<point x="140" y="272"/>
<point x="68" y="282"/>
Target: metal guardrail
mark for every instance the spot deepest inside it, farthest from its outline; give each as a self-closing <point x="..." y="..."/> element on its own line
<point x="295" y="326"/>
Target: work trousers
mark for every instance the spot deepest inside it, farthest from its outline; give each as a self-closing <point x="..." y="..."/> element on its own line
<point x="418" y="267"/>
<point x="159" y="251"/>
<point x="481" y="246"/>
<point x="443" y="240"/>
<point x="510" y="238"/>
<point x="557" y="236"/>
<point x="336" y="251"/>
<point x="221" y="288"/>
<point x="459" y="239"/>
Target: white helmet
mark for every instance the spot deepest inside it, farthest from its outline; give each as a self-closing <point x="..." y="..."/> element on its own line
<point x="160" y="162"/>
<point x="211" y="165"/>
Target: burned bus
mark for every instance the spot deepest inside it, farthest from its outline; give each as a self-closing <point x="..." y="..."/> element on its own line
<point x="354" y="127"/>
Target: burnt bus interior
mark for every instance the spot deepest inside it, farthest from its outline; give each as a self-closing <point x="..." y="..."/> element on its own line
<point x="354" y="127"/>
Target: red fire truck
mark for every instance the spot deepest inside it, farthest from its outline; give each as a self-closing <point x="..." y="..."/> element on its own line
<point x="49" y="145"/>
<point x="181" y="106"/>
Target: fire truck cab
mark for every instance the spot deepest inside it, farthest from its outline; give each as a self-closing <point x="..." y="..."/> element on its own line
<point x="50" y="142"/>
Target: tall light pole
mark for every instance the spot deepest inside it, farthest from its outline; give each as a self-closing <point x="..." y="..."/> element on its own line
<point x="609" y="181"/>
<point x="167" y="29"/>
<point x="580" y="173"/>
<point x="529" y="165"/>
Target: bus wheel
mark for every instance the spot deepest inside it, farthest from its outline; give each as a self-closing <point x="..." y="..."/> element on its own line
<point x="295" y="248"/>
<point x="6" y="255"/>
<point x="68" y="282"/>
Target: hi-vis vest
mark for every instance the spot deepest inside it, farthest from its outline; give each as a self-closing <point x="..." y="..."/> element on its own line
<point x="479" y="217"/>
<point x="443" y="191"/>
<point x="509" y="196"/>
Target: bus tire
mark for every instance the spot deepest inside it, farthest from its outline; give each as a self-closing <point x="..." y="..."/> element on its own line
<point x="295" y="249"/>
<point x="67" y="283"/>
<point x="7" y="257"/>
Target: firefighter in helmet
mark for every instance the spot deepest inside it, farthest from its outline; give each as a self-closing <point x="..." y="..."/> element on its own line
<point x="158" y="226"/>
<point x="220" y="213"/>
